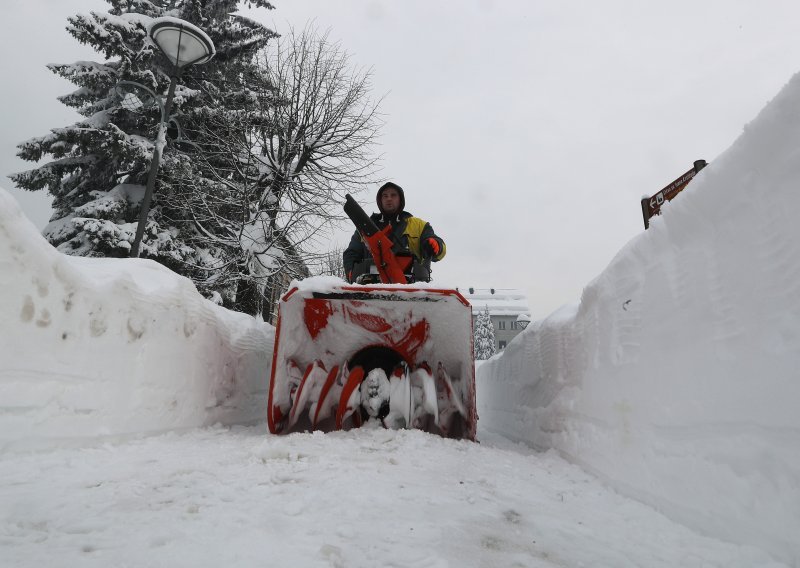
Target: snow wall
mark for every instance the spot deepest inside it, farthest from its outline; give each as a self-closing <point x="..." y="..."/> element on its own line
<point x="93" y="348"/>
<point x="677" y="376"/>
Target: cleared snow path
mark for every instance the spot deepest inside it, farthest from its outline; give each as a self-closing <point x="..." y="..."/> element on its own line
<point x="239" y="497"/>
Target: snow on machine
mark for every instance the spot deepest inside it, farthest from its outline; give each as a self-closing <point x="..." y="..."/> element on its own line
<point x="396" y="351"/>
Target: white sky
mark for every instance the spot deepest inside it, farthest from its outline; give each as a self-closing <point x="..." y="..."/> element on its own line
<point x="525" y="131"/>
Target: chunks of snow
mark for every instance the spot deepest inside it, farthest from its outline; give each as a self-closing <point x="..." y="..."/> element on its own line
<point x="375" y="391"/>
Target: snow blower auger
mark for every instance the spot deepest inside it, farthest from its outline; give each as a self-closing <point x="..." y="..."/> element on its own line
<point x="392" y="353"/>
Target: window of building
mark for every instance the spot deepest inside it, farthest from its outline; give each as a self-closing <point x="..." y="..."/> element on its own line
<point x="501" y="324"/>
<point x="502" y="344"/>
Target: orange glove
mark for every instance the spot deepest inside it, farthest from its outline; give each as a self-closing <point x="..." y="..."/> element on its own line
<point x="432" y="246"/>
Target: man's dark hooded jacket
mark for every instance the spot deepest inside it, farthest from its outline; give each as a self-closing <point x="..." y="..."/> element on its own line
<point x="407" y="232"/>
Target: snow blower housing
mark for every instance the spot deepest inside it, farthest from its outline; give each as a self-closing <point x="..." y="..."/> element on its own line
<point x="393" y="354"/>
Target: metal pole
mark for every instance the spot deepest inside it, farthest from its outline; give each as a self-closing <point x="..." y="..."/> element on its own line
<point x="154" y="163"/>
<point x="646" y="212"/>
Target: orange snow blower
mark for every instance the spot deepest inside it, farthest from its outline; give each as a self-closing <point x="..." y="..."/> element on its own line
<point x="397" y="353"/>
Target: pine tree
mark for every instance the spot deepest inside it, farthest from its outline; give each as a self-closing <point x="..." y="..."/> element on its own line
<point x="99" y="165"/>
<point x="484" y="336"/>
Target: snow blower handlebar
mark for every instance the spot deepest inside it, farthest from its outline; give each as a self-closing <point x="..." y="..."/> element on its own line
<point x="390" y="268"/>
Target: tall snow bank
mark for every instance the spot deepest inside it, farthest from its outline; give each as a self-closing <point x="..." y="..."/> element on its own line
<point x="107" y="347"/>
<point x="677" y="377"/>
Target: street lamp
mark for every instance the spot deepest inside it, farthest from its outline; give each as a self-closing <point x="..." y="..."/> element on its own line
<point x="523" y="320"/>
<point x="183" y="44"/>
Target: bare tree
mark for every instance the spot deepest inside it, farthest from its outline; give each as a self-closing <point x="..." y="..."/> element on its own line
<point x="282" y="167"/>
<point x="316" y="143"/>
<point x="330" y="263"/>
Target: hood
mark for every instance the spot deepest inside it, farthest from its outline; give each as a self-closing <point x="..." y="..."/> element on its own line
<point x="393" y="185"/>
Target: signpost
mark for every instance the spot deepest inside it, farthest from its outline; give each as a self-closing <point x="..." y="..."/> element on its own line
<point x="652" y="205"/>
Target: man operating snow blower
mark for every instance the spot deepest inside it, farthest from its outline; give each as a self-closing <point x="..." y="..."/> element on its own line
<point x="389" y="350"/>
<point x="408" y="233"/>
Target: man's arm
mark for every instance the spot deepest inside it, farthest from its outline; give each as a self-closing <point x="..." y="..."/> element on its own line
<point x="436" y="249"/>
<point x="353" y="254"/>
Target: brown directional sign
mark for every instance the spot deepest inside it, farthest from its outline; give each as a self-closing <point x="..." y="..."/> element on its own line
<point x="652" y="205"/>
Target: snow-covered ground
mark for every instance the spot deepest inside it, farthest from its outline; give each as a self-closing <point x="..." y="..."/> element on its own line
<point x="677" y="376"/>
<point x="239" y="497"/>
<point x="124" y="397"/>
<point x="107" y="347"/>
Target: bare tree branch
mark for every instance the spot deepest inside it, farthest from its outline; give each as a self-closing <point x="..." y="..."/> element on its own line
<point x="304" y="137"/>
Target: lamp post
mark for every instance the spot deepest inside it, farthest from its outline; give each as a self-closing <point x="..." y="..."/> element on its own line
<point x="183" y="44"/>
<point x="134" y="96"/>
<point x="523" y="320"/>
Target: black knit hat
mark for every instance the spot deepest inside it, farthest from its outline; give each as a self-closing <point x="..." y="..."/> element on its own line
<point x="392" y="185"/>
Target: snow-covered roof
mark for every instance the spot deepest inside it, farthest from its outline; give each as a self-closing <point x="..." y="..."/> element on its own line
<point x="500" y="301"/>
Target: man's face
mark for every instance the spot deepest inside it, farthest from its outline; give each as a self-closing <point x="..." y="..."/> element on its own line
<point x="390" y="201"/>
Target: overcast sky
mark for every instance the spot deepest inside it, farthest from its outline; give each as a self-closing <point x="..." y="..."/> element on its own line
<point x="525" y="131"/>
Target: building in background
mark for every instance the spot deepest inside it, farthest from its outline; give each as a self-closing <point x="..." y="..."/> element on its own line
<point x="508" y="309"/>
